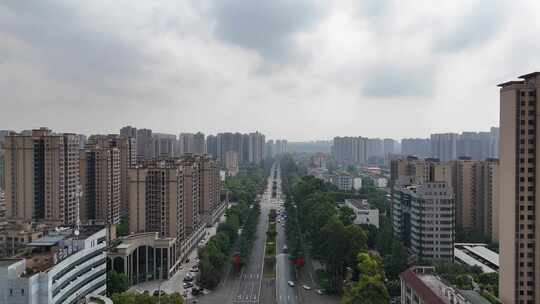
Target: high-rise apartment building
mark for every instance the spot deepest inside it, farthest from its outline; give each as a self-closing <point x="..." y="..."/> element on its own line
<point x="42" y="177"/>
<point x="3" y="134"/>
<point x="478" y="145"/>
<point x="211" y="146"/>
<point x="128" y="131"/>
<point x="82" y="141"/>
<point x="100" y="174"/>
<point x="490" y="197"/>
<point x="250" y="147"/>
<point x="270" y="149"/>
<point x="190" y="168"/>
<point x="375" y="150"/>
<point x="350" y="150"/>
<point x="444" y="146"/>
<point x="390" y="146"/>
<point x="519" y="199"/>
<point x="127" y="147"/>
<point x="163" y="145"/>
<point x="156" y="199"/>
<point x="209" y="188"/>
<point x="144" y="144"/>
<point x="231" y="163"/>
<point x="423" y="218"/>
<point x="185" y="143"/>
<point x="199" y="144"/>
<point x="280" y="147"/>
<point x="189" y="143"/>
<point x="474" y="184"/>
<point x="420" y="147"/>
<point x="176" y="197"/>
<point x="256" y="147"/>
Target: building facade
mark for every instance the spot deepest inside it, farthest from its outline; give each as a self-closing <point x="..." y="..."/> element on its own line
<point x="42" y="176"/>
<point x="100" y="174"/>
<point x="519" y="200"/>
<point x="444" y="146"/>
<point x="423" y="218"/>
<point x="62" y="268"/>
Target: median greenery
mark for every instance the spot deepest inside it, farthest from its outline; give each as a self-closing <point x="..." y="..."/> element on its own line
<point x="137" y="298"/>
<point x="270" y="250"/>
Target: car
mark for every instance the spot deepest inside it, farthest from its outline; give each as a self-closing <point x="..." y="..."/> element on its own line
<point x="188" y="285"/>
<point x="194" y="270"/>
<point x="188" y="279"/>
<point x="319" y="291"/>
<point x="306" y="287"/>
<point x="291" y="283"/>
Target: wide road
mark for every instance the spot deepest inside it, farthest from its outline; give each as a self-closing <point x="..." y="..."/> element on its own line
<point x="248" y="285"/>
<point x="284" y="270"/>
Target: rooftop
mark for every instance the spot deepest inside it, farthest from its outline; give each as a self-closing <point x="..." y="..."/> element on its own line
<point x="7" y="262"/>
<point x="434" y="290"/>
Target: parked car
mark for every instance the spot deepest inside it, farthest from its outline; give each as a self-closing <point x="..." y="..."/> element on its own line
<point x="196" y="291"/>
<point x="319" y="291"/>
<point x="188" y="285"/>
<point x="291" y="283"/>
<point x="188" y="279"/>
<point x="306" y="287"/>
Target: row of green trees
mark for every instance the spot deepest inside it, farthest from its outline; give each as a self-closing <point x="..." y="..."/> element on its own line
<point x="137" y="298"/>
<point x="249" y="231"/>
<point x="244" y="214"/>
<point x="318" y="225"/>
<point x="245" y="186"/>
<point x="216" y="253"/>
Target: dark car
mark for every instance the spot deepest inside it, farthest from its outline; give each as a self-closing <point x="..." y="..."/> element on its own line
<point x="196" y="291"/>
<point x="188" y="279"/>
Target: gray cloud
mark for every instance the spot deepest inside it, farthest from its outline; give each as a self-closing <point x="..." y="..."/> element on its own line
<point x="479" y="24"/>
<point x="398" y="82"/>
<point x="69" y="44"/>
<point x="264" y="26"/>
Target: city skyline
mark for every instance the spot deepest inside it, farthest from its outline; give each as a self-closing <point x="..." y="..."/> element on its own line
<point x="192" y="65"/>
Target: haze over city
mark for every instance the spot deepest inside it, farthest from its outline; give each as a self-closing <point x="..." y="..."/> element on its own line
<point x="291" y="69"/>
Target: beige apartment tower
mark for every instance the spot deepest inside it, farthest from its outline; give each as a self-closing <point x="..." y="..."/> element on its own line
<point x="519" y="230"/>
<point x="156" y="199"/>
<point x="127" y="147"/>
<point x="42" y="177"/>
<point x="100" y="184"/>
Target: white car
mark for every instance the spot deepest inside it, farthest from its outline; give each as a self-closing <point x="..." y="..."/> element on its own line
<point x="306" y="287"/>
<point x="291" y="283"/>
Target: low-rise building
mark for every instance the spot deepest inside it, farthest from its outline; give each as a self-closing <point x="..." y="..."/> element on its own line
<point x="144" y="257"/>
<point x="357" y="183"/>
<point x="15" y="236"/>
<point x="343" y="181"/>
<point x="380" y="182"/>
<point x="477" y="254"/>
<point x="420" y="285"/>
<point x="364" y="215"/>
<point x="62" y="267"/>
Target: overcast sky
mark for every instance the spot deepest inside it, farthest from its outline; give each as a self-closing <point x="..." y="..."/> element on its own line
<point x="299" y="69"/>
